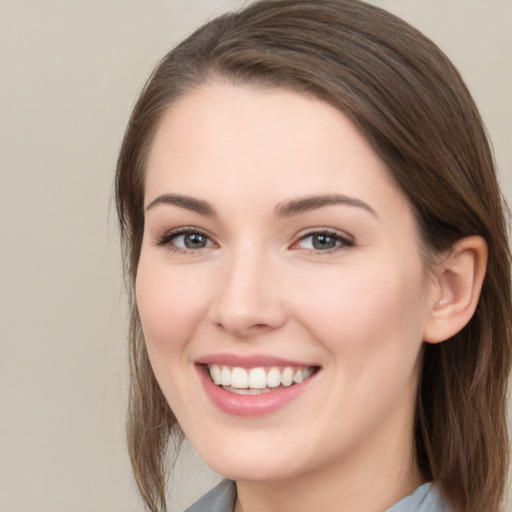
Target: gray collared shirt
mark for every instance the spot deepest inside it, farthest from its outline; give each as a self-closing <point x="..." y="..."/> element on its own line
<point x="425" y="498"/>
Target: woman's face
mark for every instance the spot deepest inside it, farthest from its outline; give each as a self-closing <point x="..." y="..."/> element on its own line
<point x="278" y="254"/>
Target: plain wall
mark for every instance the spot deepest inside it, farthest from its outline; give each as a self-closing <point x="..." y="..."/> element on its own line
<point x="70" y="71"/>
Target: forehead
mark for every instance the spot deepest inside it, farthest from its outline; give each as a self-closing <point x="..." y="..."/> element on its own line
<point x="262" y="140"/>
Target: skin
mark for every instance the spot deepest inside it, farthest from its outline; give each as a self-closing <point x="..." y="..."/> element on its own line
<point x="358" y="310"/>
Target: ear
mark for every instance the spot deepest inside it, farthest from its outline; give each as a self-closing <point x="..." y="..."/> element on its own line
<point x="458" y="279"/>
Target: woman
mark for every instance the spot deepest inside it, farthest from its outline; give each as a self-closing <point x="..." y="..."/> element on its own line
<point x="316" y="252"/>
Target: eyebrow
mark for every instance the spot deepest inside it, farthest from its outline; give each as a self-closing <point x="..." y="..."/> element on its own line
<point x="284" y="209"/>
<point x="301" y="205"/>
<point x="187" y="202"/>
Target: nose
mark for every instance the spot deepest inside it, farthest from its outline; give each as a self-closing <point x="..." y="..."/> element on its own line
<point x="249" y="300"/>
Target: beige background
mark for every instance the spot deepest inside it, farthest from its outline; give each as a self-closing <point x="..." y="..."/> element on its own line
<point x="69" y="73"/>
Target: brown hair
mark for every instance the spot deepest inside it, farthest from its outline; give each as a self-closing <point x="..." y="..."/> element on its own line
<point x="412" y="105"/>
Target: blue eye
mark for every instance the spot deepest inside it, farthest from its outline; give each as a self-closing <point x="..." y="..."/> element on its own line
<point x="186" y="239"/>
<point x="323" y="241"/>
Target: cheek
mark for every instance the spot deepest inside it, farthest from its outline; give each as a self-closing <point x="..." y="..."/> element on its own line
<point x="170" y="304"/>
<point x="363" y="311"/>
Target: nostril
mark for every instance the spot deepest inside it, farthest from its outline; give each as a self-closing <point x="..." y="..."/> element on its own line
<point x="241" y="329"/>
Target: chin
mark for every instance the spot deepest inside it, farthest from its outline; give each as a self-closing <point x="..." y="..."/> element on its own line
<point x="253" y="463"/>
<point x="251" y="471"/>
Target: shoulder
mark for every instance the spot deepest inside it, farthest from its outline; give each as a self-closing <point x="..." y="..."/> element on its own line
<point x="425" y="498"/>
<point x="220" y="499"/>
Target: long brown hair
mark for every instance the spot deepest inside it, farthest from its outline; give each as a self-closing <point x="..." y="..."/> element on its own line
<point x="412" y="105"/>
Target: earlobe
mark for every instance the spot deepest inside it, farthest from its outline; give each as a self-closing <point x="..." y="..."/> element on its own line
<point x="459" y="279"/>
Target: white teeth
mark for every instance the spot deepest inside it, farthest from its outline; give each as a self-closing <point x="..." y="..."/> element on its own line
<point x="247" y="391"/>
<point x="225" y="376"/>
<point x="239" y="378"/>
<point x="257" y="378"/>
<point x="287" y="377"/>
<point x="273" y="378"/>
<point x="298" y="377"/>
<point x="216" y="374"/>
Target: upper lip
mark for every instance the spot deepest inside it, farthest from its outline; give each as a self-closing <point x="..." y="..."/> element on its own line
<point x="248" y="360"/>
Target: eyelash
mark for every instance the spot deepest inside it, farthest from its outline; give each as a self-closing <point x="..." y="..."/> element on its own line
<point x="167" y="239"/>
<point x="341" y="241"/>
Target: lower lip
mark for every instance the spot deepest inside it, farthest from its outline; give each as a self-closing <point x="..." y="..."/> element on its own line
<point x="250" y="405"/>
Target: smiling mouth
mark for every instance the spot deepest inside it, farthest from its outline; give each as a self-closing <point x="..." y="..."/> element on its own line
<point x="258" y="380"/>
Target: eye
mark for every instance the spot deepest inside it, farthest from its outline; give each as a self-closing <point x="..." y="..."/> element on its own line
<point x="325" y="240"/>
<point x="185" y="239"/>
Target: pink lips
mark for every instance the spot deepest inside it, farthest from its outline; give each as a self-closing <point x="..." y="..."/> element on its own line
<point x="248" y="361"/>
<point x="249" y="405"/>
